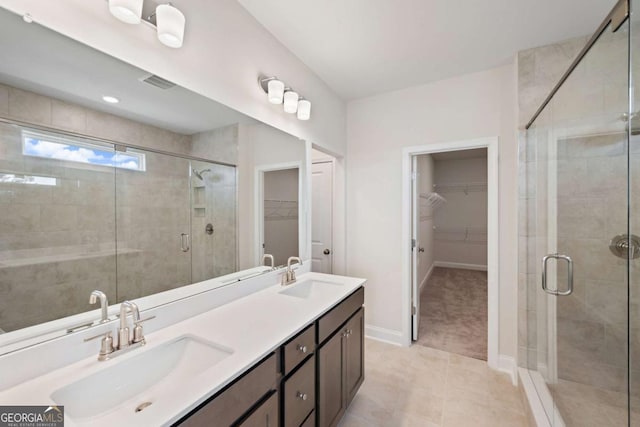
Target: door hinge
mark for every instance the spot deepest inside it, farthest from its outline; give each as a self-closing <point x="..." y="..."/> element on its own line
<point x="413" y="243"/>
<point x="414" y="310"/>
<point x="414" y="175"/>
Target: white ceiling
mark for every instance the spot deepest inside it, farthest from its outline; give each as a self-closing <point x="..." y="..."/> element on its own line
<point x="42" y="61"/>
<point x="364" y="47"/>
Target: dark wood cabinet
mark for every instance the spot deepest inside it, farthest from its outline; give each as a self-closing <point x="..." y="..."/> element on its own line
<point x="331" y="397"/>
<point x="236" y="400"/>
<point x="299" y="394"/>
<point x="340" y="360"/>
<point x="310" y="380"/>
<point x="354" y="355"/>
<point x="265" y="415"/>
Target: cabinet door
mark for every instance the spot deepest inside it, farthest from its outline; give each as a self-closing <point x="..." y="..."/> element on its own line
<point x="266" y="415"/>
<point x="354" y="354"/>
<point x="331" y="397"/>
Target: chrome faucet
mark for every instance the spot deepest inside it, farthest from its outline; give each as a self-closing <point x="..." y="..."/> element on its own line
<point x="126" y="341"/>
<point x="104" y="304"/>
<point x="269" y="257"/>
<point x="289" y="276"/>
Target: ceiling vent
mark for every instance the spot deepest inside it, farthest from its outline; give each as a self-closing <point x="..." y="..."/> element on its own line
<point x="157" y="81"/>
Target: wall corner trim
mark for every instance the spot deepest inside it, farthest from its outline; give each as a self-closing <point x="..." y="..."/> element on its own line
<point x="388" y="336"/>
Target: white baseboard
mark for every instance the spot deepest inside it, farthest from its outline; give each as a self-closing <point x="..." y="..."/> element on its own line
<point x="426" y="279"/>
<point x="507" y="364"/>
<point x="460" y="265"/>
<point x="388" y="336"/>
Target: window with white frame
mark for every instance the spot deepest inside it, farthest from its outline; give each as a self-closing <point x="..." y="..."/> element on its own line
<point x="61" y="147"/>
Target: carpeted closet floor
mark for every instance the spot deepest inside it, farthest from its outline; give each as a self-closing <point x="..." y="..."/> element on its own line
<point x="453" y="312"/>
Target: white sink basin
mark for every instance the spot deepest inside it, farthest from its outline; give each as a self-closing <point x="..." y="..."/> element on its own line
<point x="155" y="376"/>
<point x="309" y="288"/>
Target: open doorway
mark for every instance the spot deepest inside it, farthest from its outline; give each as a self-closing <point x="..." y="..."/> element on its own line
<point x="411" y="250"/>
<point x="450" y="223"/>
<point x="280" y="229"/>
<point x="322" y="180"/>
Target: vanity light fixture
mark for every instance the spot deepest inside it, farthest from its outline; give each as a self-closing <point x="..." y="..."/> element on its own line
<point x="304" y="109"/>
<point x="290" y="101"/>
<point x="128" y="11"/>
<point x="168" y="20"/>
<point x="110" y="99"/>
<point x="170" y="25"/>
<point x="278" y="93"/>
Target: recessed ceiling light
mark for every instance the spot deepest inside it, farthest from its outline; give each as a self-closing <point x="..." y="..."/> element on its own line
<point x="110" y="99"/>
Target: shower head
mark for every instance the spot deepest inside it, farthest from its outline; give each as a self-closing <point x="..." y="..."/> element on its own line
<point x="201" y="173"/>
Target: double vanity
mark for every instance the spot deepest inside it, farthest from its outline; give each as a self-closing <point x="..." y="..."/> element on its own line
<point x="280" y="356"/>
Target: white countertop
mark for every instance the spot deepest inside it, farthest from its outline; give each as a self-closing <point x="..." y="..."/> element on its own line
<point x="253" y="326"/>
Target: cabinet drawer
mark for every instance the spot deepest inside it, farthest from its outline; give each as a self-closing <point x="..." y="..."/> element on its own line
<point x="339" y="314"/>
<point x="266" y="415"/>
<point x="310" y="421"/>
<point x="236" y="400"/>
<point x="296" y="350"/>
<point x="300" y="394"/>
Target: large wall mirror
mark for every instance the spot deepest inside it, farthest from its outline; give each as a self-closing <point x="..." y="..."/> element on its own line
<point x="115" y="179"/>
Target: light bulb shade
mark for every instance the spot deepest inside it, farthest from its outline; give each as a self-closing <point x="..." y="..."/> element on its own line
<point x="170" y="22"/>
<point x="290" y="102"/>
<point x="275" y="89"/>
<point x="129" y="11"/>
<point x="304" y="109"/>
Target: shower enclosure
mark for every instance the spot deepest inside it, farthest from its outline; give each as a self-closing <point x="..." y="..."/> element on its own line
<point x="581" y="166"/>
<point x="82" y="213"/>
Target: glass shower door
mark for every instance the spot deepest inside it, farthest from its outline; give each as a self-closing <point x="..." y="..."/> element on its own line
<point x="579" y="300"/>
<point x="153" y="224"/>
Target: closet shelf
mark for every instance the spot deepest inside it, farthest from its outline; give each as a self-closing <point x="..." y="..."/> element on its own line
<point x="461" y="187"/>
<point x="461" y="234"/>
<point x="280" y="209"/>
<point x="432" y="200"/>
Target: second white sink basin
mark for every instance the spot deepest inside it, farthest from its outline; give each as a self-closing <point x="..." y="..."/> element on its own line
<point x="153" y="378"/>
<point x="308" y="288"/>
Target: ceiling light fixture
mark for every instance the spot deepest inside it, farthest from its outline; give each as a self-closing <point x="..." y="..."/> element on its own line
<point x="278" y="93"/>
<point x="128" y="11"/>
<point x="168" y="20"/>
<point x="110" y="99"/>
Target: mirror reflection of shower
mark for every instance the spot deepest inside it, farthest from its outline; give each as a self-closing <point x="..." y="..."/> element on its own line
<point x="200" y="174"/>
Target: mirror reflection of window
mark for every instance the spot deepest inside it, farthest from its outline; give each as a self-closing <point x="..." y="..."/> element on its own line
<point x="281" y="214"/>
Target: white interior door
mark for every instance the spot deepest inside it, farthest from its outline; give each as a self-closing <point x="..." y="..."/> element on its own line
<point x="415" y="291"/>
<point x="321" y="226"/>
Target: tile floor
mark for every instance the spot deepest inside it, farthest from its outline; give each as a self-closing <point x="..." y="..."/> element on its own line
<point x="453" y="312"/>
<point x="421" y="386"/>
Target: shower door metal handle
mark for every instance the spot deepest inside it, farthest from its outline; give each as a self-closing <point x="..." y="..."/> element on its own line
<point x="569" y="275"/>
<point x="184" y="242"/>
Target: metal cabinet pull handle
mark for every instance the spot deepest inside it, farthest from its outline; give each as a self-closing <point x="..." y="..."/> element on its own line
<point x="569" y="275"/>
<point x="302" y="396"/>
<point x="184" y="242"/>
<point x="302" y="348"/>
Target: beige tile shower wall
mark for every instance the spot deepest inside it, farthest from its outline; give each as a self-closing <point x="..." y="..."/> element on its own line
<point x="58" y="242"/>
<point x="214" y="202"/>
